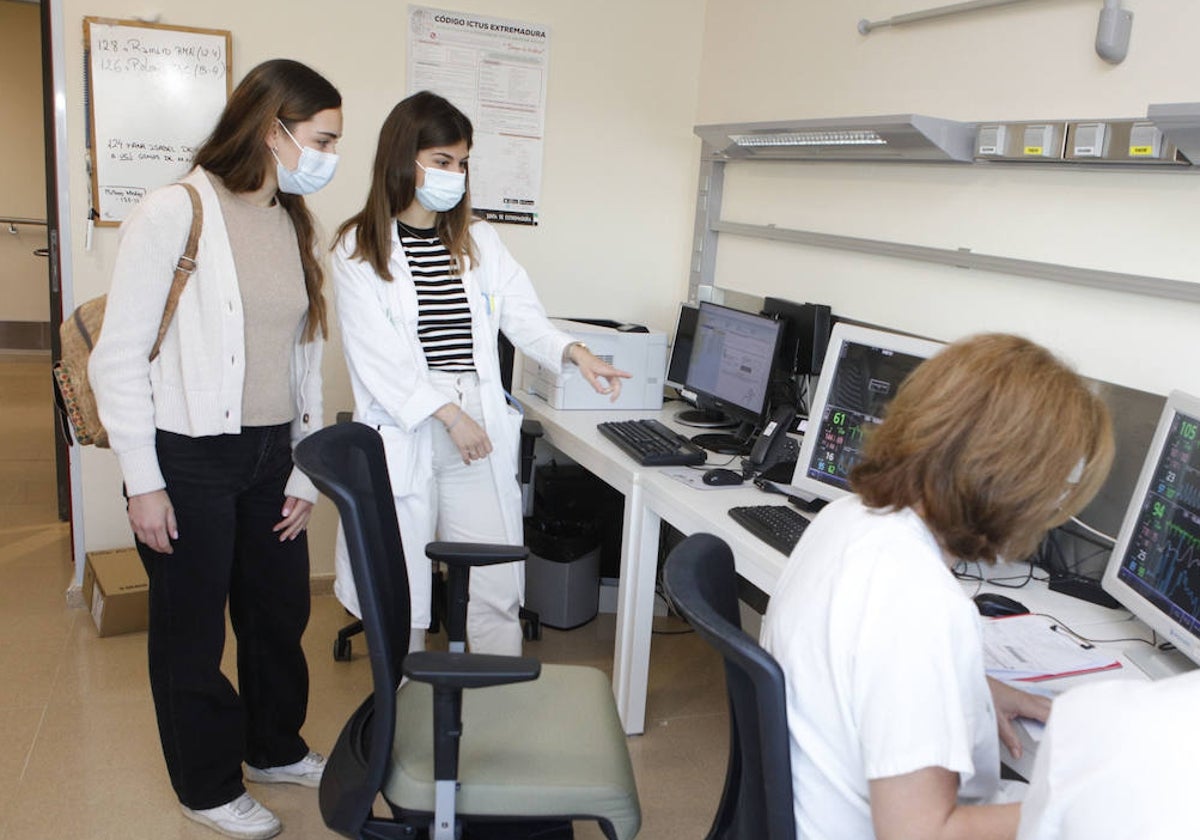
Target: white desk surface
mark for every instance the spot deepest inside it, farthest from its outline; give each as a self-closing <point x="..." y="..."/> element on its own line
<point x="652" y="495"/>
<point x="1086" y="619"/>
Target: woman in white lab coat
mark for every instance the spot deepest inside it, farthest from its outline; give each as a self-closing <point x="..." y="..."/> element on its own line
<point x="894" y="728"/>
<point x="422" y="289"/>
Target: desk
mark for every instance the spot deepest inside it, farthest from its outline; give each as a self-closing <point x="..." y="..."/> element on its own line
<point x="651" y="497"/>
<point x="1086" y="619"/>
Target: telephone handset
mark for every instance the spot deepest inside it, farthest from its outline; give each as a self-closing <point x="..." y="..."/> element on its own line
<point x="772" y="443"/>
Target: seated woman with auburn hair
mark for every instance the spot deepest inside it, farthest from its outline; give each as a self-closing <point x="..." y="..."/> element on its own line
<point x="894" y="726"/>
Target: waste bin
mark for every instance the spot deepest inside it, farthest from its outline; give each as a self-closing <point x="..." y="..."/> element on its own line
<point x="562" y="572"/>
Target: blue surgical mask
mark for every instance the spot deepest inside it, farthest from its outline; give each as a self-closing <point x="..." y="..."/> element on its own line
<point x="442" y="190"/>
<point x="314" y="169"/>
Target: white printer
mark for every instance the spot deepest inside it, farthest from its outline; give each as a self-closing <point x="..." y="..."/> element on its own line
<point x="643" y="354"/>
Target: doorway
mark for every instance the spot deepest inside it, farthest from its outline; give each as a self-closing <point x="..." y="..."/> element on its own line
<point x="46" y="457"/>
<point x="32" y="458"/>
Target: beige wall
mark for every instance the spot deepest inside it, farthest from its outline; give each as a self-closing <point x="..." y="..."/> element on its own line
<point x="774" y="60"/>
<point x="24" y="295"/>
<point x="629" y="79"/>
<point x="620" y="158"/>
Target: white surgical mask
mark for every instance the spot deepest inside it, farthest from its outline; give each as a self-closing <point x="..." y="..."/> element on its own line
<point x="442" y="190"/>
<point x="314" y="169"/>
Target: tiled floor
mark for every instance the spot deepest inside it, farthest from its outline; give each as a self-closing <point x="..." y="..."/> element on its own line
<point x="79" y="753"/>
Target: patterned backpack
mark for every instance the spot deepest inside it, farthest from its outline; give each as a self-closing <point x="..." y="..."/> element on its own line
<point x="79" y="333"/>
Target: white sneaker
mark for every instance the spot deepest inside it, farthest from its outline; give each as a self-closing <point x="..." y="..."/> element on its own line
<point x="244" y="818"/>
<point x="307" y="771"/>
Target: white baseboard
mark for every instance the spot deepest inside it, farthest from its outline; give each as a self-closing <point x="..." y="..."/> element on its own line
<point x="75" y="596"/>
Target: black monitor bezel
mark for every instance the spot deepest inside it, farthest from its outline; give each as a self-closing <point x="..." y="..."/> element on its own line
<point x="687" y="311"/>
<point x="708" y="401"/>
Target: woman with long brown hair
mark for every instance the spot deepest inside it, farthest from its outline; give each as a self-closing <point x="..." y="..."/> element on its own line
<point x="895" y="729"/>
<point x="203" y="434"/>
<point x="422" y="289"/>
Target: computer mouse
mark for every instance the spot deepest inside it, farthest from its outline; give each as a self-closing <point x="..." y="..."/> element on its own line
<point x="993" y="604"/>
<point x="721" y="477"/>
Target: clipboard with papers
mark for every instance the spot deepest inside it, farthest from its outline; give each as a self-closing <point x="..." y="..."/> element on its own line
<point x="1035" y="647"/>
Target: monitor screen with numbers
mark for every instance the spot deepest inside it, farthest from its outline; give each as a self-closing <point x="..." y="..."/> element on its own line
<point x="862" y="370"/>
<point x="1154" y="569"/>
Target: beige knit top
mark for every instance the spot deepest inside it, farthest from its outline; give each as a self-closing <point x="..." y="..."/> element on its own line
<point x="271" y="281"/>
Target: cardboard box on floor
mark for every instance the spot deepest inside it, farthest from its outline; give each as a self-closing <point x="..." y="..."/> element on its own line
<point x="117" y="591"/>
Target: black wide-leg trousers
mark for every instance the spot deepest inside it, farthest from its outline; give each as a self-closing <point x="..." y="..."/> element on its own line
<point x="227" y="491"/>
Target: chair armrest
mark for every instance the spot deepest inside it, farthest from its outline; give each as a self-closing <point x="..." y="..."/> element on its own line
<point x="449" y="674"/>
<point x="460" y="558"/>
<point x="474" y="554"/>
<point x="469" y="670"/>
<point x="531" y="428"/>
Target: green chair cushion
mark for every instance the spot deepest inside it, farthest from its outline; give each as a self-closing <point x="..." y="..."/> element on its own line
<point x="549" y="748"/>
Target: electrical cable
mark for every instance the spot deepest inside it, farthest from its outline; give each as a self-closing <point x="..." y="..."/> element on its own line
<point x="1152" y="641"/>
<point x="1001" y="581"/>
<point x="1075" y="520"/>
<point x="660" y="591"/>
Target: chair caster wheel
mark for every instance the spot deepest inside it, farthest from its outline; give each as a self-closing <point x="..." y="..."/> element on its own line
<point x="531" y="629"/>
<point x="341" y="650"/>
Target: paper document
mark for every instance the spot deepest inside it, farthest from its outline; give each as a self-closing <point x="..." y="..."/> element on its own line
<point x="1034" y="647"/>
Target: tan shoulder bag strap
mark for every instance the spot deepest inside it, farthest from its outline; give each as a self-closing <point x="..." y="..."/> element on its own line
<point x="183" y="269"/>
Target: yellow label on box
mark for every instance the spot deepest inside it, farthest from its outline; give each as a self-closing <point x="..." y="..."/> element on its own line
<point x="1141" y="151"/>
<point x="1034" y="150"/>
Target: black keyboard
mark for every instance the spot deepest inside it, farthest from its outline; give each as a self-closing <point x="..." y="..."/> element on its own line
<point x="652" y="444"/>
<point x="777" y="525"/>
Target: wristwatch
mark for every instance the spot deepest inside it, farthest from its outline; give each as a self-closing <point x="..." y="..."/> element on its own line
<point x="567" y="349"/>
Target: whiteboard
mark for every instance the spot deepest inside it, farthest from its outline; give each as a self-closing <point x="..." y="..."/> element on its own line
<point x="155" y="93"/>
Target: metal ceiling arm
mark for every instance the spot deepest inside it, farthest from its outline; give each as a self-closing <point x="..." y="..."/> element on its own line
<point x="866" y="26"/>
<point x="1112" y="32"/>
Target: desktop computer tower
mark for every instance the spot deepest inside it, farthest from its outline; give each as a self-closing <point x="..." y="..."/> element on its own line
<point x="570" y="493"/>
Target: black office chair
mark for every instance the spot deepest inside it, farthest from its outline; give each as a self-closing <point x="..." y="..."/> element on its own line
<point x="537" y="752"/>
<point x="531" y="622"/>
<point x="757" y="801"/>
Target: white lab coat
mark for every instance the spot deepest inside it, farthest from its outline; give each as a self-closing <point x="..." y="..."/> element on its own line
<point x="392" y="391"/>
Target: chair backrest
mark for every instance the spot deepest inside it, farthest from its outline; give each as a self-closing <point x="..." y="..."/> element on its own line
<point x="347" y="463"/>
<point x="757" y="801"/>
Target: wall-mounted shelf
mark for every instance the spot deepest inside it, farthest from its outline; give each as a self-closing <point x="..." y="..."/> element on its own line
<point x="1168" y="135"/>
<point x="1167" y="139"/>
<point x="901" y="137"/>
<point x="1093" y="278"/>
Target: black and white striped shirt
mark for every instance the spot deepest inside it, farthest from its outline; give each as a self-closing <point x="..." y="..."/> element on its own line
<point x="444" y="314"/>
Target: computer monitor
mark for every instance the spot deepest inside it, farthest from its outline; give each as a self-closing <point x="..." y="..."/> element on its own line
<point x="730" y="372"/>
<point x="863" y="370"/>
<point x="805" y="335"/>
<point x="1154" y="568"/>
<point x="681" y="347"/>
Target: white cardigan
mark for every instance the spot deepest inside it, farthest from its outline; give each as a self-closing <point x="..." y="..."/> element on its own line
<point x="194" y="386"/>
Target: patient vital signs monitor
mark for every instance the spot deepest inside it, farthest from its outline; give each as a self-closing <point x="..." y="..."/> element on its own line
<point x="1154" y="569"/>
<point x="863" y="369"/>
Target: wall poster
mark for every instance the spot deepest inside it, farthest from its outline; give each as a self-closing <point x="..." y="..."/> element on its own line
<point x="494" y="71"/>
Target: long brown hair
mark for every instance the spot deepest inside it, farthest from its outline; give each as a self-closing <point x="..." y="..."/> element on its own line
<point x="985" y="441"/>
<point x="421" y="121"/>
<point x="236" y="152"/>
